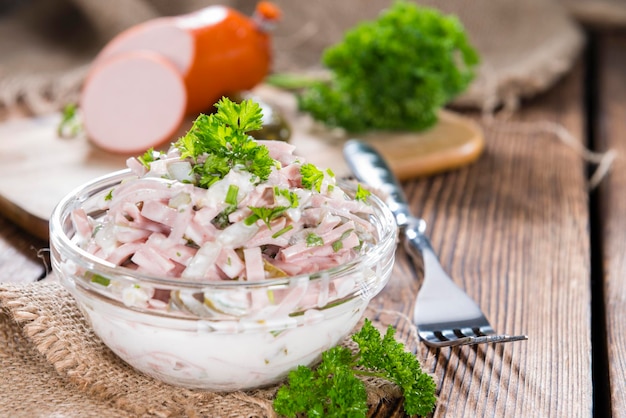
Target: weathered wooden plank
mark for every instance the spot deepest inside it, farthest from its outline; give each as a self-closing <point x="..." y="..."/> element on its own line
<point x="19" y="251"/>
<point x="611" y="134"/>
<point x="19" y="254"/>
<point x="512" y="229"/>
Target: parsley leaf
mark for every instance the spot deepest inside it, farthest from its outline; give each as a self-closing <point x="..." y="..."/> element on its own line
<point x="314" y="240"/>
<point x="70" y="125"/>
<point x="101" y="280"/>
<point x="393" y="73"/>
<point x="397" y="365"/>
<point x="221" y="221"/>
<point x="338" y="245"/>
<point x="282" y="231"/>
<point x="218" y="142"/>
<point x="312" y="177"/>
<point x="361" y="193"/>
<point x="244" y="117"/>
<point x="291" y="197"/>
<point x="333" y="389"/>
<point x="267" y="215"/>
<point x="147" y="158"/>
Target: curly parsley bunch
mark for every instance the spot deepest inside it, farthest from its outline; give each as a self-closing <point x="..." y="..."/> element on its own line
<point x="332" y="389"/>
<point x="218" y="142"/>
<point x="393" y="73"/>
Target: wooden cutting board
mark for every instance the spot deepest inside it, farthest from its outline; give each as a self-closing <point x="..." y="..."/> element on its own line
<point x="37" y="168"/>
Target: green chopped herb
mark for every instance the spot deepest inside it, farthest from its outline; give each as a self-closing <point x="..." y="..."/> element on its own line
<point x="314" y="240"/>
<point x="267" y="215"/>
<point x="109" y="195"/>
<point x="222" y="141"/>
<point x="97" y="278"/>
<point x="393" y="73"/>
<point x="231" y="195"/>
<point x="332" y="389"/>
<point x="96" y="229"/>
<point x="361" y="193"/>
<point x="282" y="231"/>
<point x="276" y="333"/>
<point x="222" y="220"/>
<point x="147" y="158"/>
<point x="338" y="245"/>
<point x="292" y="197"/>
<point x="70" y="124"/>
<point x="312" y="177"/>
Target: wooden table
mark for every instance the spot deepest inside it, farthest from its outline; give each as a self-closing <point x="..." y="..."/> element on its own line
<point x="521" y="232"/>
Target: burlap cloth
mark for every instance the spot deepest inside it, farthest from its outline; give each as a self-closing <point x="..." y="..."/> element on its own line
<point x="46" y="45"/>
<point x="598" y="13"/>
<point x="54" y="366"/>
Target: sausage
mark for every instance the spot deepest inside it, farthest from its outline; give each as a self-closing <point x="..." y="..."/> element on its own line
<point x="133" y="101"/>
<point x="217" y="49"/>
<point x="132" y="98"/>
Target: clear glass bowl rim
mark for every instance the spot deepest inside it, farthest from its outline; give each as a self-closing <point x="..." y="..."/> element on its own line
<point x="65" y="246"/>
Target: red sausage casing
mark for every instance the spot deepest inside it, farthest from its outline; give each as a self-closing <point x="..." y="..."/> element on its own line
<point x="150" y="76"/>
<point x="217" y="50"/>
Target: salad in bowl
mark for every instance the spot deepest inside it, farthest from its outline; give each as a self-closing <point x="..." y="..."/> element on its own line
<point x="224" y="262"/>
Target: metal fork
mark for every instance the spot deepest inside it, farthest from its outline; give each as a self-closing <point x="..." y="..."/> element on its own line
<point x="444" y="314"/>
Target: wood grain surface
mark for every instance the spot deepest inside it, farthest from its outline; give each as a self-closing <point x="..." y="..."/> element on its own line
<point x="512" y="229"/>
<point x="60" y="165"/>
<point x="611" y="133"/>
<point x="21" y="255"/>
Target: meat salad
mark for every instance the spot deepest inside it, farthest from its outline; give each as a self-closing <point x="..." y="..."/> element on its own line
<point x="235" y="209"/>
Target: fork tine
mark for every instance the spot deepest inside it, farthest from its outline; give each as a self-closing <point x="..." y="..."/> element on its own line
<point x="469" y="332"/>
<point x="431" y="340"/>
<point x="448" y="334"/>
<point x="496" y="339"/>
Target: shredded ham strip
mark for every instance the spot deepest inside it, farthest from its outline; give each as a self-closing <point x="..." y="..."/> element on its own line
<point x="162" y="225"/>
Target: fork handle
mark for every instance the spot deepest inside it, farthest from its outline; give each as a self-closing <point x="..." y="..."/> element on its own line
<point x="421" y="251"/>
<point x="416" y="242"/>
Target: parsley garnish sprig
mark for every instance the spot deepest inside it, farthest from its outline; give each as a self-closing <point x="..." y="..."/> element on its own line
<point x="312" y="177"/>
<point x="218" y="142"/>
<point x="394" y="72"/>
<point x="70" y="125"/>
<point x="361" y="193"/>
<point x="332" y="389"/>
<point x="267" y="215"/>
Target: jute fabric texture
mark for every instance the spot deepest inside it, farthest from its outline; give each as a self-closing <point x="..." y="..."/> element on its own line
<point x="53" y="365"/>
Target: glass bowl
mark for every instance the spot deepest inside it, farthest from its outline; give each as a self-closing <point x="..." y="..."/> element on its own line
<point x="220" y="336"/>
